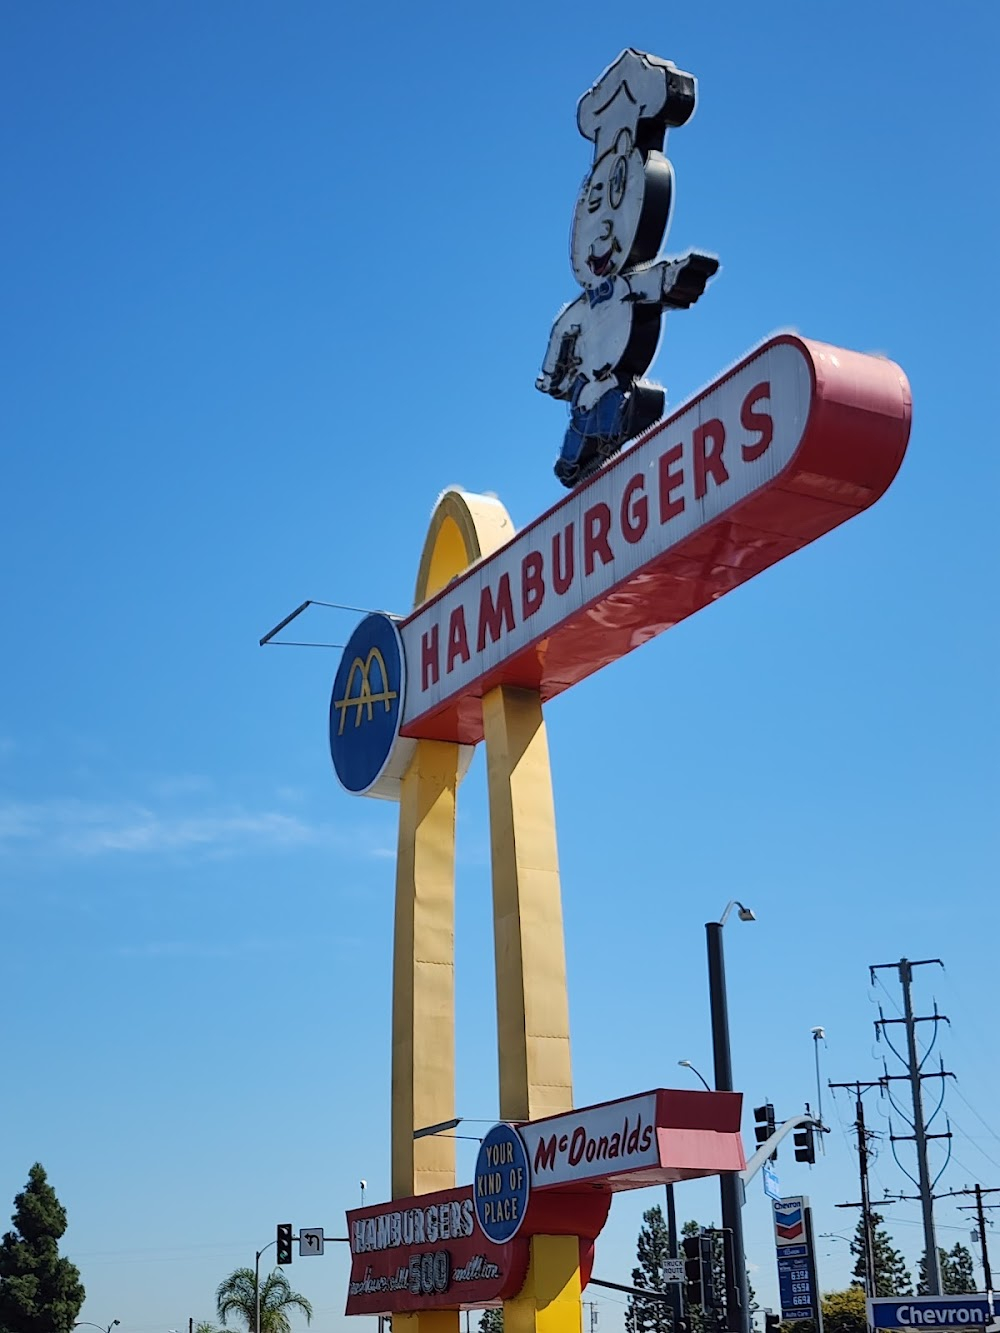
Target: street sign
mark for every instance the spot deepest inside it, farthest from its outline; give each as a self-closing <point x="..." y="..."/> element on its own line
<point x="673" y="1270"/>
<point x="770" y="1177"/>
<point x="310" y="1241"/>
<point x="929" y="1312"/>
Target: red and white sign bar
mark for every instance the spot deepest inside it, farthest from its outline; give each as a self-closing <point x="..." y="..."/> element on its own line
<point x="655" y="1138"/>
<point x="795" y="440"/>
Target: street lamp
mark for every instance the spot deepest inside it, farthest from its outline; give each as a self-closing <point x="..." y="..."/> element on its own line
<point x="104" y="1329"/>
<point x="730" y="1185"/>
<point x="686" y="1064"/>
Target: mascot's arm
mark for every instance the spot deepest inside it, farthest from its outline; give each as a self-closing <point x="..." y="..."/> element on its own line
<point x="674" y="283"/>
<point x="561" y="362"/>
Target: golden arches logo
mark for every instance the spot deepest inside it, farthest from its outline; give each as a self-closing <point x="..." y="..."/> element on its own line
<point x="365" y="698"/>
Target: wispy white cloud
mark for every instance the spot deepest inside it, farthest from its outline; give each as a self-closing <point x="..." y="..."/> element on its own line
<point x="82" y="828"/>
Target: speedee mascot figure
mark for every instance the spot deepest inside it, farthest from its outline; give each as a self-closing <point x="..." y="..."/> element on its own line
<point x="606" y="339"/>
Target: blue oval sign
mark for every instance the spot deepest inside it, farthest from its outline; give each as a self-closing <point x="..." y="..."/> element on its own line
<point x="502" y="1184"/>
<point x="367" y="703"/>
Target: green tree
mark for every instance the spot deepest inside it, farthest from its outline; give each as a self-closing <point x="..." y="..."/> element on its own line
<point x="652" y="1252"/>
<point x="958" y="1276"/>
<point x="892" y="1277"/>
<point x="237" y="1295"/>
<point x="40" y="1292"/>
<point x="843" y="1312"/>
<point x="491" y="1321"/>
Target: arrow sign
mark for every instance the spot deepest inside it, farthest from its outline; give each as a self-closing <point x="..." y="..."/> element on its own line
<point x="310" y="1241"/>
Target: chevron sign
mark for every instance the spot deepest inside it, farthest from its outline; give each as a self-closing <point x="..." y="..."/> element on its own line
<point x="789" y="1222"/>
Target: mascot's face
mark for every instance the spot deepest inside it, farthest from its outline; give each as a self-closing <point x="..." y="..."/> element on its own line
<point x="608" y="211"/>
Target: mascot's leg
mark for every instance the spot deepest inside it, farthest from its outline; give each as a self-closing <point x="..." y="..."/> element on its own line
<point x="594" y="436"/>
<point x="567" y="467"/>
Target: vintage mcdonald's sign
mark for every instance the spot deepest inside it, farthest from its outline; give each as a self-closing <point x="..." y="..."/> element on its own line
<point x="366" y="705"/>
<point x="784" y="446"/>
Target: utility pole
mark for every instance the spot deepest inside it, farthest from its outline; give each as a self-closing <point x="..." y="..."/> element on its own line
<point x="980" y="1210"/>
<point x="591" y="1305"/>
<point x="919" y="1125"/>
<point x="676" y="1299"/>
<point x="868" y="1244"/>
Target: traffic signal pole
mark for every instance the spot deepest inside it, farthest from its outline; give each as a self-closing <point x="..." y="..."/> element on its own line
<point x="730" y="1184"/>
<point x="256" y="1284"/>
<point x="676" y="1302"/>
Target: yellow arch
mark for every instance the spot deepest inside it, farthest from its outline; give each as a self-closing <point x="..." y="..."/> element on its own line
<point x="532" y="1006"/>
<point x="365" y="697"/>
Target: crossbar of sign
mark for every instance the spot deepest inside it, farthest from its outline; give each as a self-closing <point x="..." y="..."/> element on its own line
<point x="796" y="439"/>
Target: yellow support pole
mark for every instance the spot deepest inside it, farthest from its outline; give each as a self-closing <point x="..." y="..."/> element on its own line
<point x="463" y="529"/>
<point x="550" y="1300"/>
<point x="532" y="1005"/>
<point x="423" y="1001"/>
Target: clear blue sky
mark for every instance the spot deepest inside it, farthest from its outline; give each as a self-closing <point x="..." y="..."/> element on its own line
<point x="273" y="276"/>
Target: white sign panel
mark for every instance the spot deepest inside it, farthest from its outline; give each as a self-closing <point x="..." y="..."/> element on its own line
<point x="722" y="448"/>
<point x="673" y="1270"/>
<point x="310" y="1241"/>
<point x="598" y="1141"/>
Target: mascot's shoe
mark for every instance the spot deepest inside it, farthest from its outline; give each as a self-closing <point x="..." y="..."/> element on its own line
<point x="567" y="472"/>
<point x="645" y="408"/>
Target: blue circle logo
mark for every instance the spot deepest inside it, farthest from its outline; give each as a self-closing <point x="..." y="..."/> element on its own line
<point x="502" y="1184"/>
<point x="367" y="703"/>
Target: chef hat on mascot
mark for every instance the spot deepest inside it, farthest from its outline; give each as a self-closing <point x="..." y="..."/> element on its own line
<point x="637" y="87"/>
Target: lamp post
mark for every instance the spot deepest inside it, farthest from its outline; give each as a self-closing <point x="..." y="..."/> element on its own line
<point x="104" y="1328"/>
<point x="256" y="1284"/>
<point x="686" y="1064"/>
<point x="730" y="1185"/>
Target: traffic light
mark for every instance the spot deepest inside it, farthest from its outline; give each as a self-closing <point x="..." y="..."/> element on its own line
<point x="765" y="1126"/>
<point x="771" y="1321"/>
<point x="708" y="1298"/>
<point x="284" y="1242"/>
<point x="699" y="1283"/>
<point x="805" y="1144"/>
<point x="692" y="1270"/>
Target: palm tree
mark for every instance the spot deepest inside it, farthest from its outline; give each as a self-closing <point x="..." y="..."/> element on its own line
<point x="238" y="1296"/>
